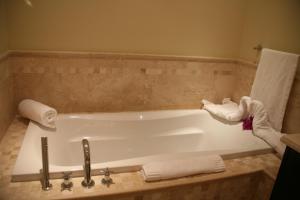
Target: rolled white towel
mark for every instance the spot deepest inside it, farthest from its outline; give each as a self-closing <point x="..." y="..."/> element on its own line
<point x="38" y="112"/>
<point x="169" y="169"/>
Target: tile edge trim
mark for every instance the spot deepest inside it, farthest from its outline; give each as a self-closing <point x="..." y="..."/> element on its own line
<point x="120" y="56"/>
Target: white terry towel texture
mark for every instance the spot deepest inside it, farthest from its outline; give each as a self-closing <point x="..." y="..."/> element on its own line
<point x="38" y="112"/>
<point x="229" y="110"/>
<point x="273" y="81"/>
<point x="169" y="169"/>
<point x="262" y="128"/>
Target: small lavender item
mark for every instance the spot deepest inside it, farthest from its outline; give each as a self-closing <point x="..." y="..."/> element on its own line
<point x="247" y="123"/>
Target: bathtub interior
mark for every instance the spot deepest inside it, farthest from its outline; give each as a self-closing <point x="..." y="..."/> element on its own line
<point x="125" y="141"/>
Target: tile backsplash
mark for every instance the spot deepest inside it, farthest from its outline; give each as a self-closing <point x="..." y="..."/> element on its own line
<point x="114" y="83"/>
<point x="76" y="82"/>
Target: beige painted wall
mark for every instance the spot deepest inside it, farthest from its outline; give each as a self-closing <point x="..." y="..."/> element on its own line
<point x="218" y="28"/>
<point x="274" y="24"/>
<point x="189" y="27"/>
<point x="3" y="28"/>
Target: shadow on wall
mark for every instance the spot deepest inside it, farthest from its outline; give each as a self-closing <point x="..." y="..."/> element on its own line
<point x="7" y="107"/>
<point x="292" y="115"/>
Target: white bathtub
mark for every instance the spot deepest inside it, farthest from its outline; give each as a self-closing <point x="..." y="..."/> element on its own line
<point x="124" y="141"/>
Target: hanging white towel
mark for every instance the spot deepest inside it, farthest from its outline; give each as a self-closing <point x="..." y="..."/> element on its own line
<point x="262" y="127"/>
<point x="229" y="110"/>
<point x="38" y="112"/>
<point x="169" y="169"/>
<point x="273" y="81"/>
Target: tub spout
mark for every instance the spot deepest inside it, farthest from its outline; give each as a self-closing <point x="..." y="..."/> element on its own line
<point x="87" y="181"/>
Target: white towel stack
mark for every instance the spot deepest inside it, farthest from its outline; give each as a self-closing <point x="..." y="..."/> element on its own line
<point x="38" y="112"/>
<point x="269" y="95"/>
<point x="169" y="169"/>
<point x="273" y="82"/>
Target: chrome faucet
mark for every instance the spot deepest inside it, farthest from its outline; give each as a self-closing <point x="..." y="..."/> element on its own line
<point x="87" y="181"/>
<point x="107" y="180"/>
<point x="45" y="171"/>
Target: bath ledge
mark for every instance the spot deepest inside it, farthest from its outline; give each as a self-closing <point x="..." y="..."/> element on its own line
<point x="120" y="56"/>
<point x="4" y="55"/>
<point x="145" y="187"/>
<point x="247" y="63"/>
<point x="292" y="141"/>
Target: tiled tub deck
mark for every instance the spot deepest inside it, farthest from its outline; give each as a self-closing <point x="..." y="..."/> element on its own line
<point x="245" y="178"/>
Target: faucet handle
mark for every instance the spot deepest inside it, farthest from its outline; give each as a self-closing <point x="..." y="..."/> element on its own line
<point x="106" y="172"/>
<point x="107" y="180"/>
<point x="67" y="175"/>
<point x="67" y="183"/>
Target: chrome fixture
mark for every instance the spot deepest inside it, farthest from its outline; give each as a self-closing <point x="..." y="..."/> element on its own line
<point x="107" y="180"/>
<point x="67" y="183"/>
<point x="258" y="47"/>
<point x="28" y="2"/>
<point x="87" y="181"/>
<point x="45" y="171"/>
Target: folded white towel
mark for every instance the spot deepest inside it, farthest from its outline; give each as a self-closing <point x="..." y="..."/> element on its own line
<point x="38" y="112"/>
<point x="169" y="169"/>
<point x="262" y="127"/>
<point x="229" y="110"/>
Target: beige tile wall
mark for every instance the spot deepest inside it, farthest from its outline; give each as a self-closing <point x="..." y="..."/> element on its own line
<point x="7" y="110"/>
<point x="90" y="83"/>
<point x="245" y="74"/>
